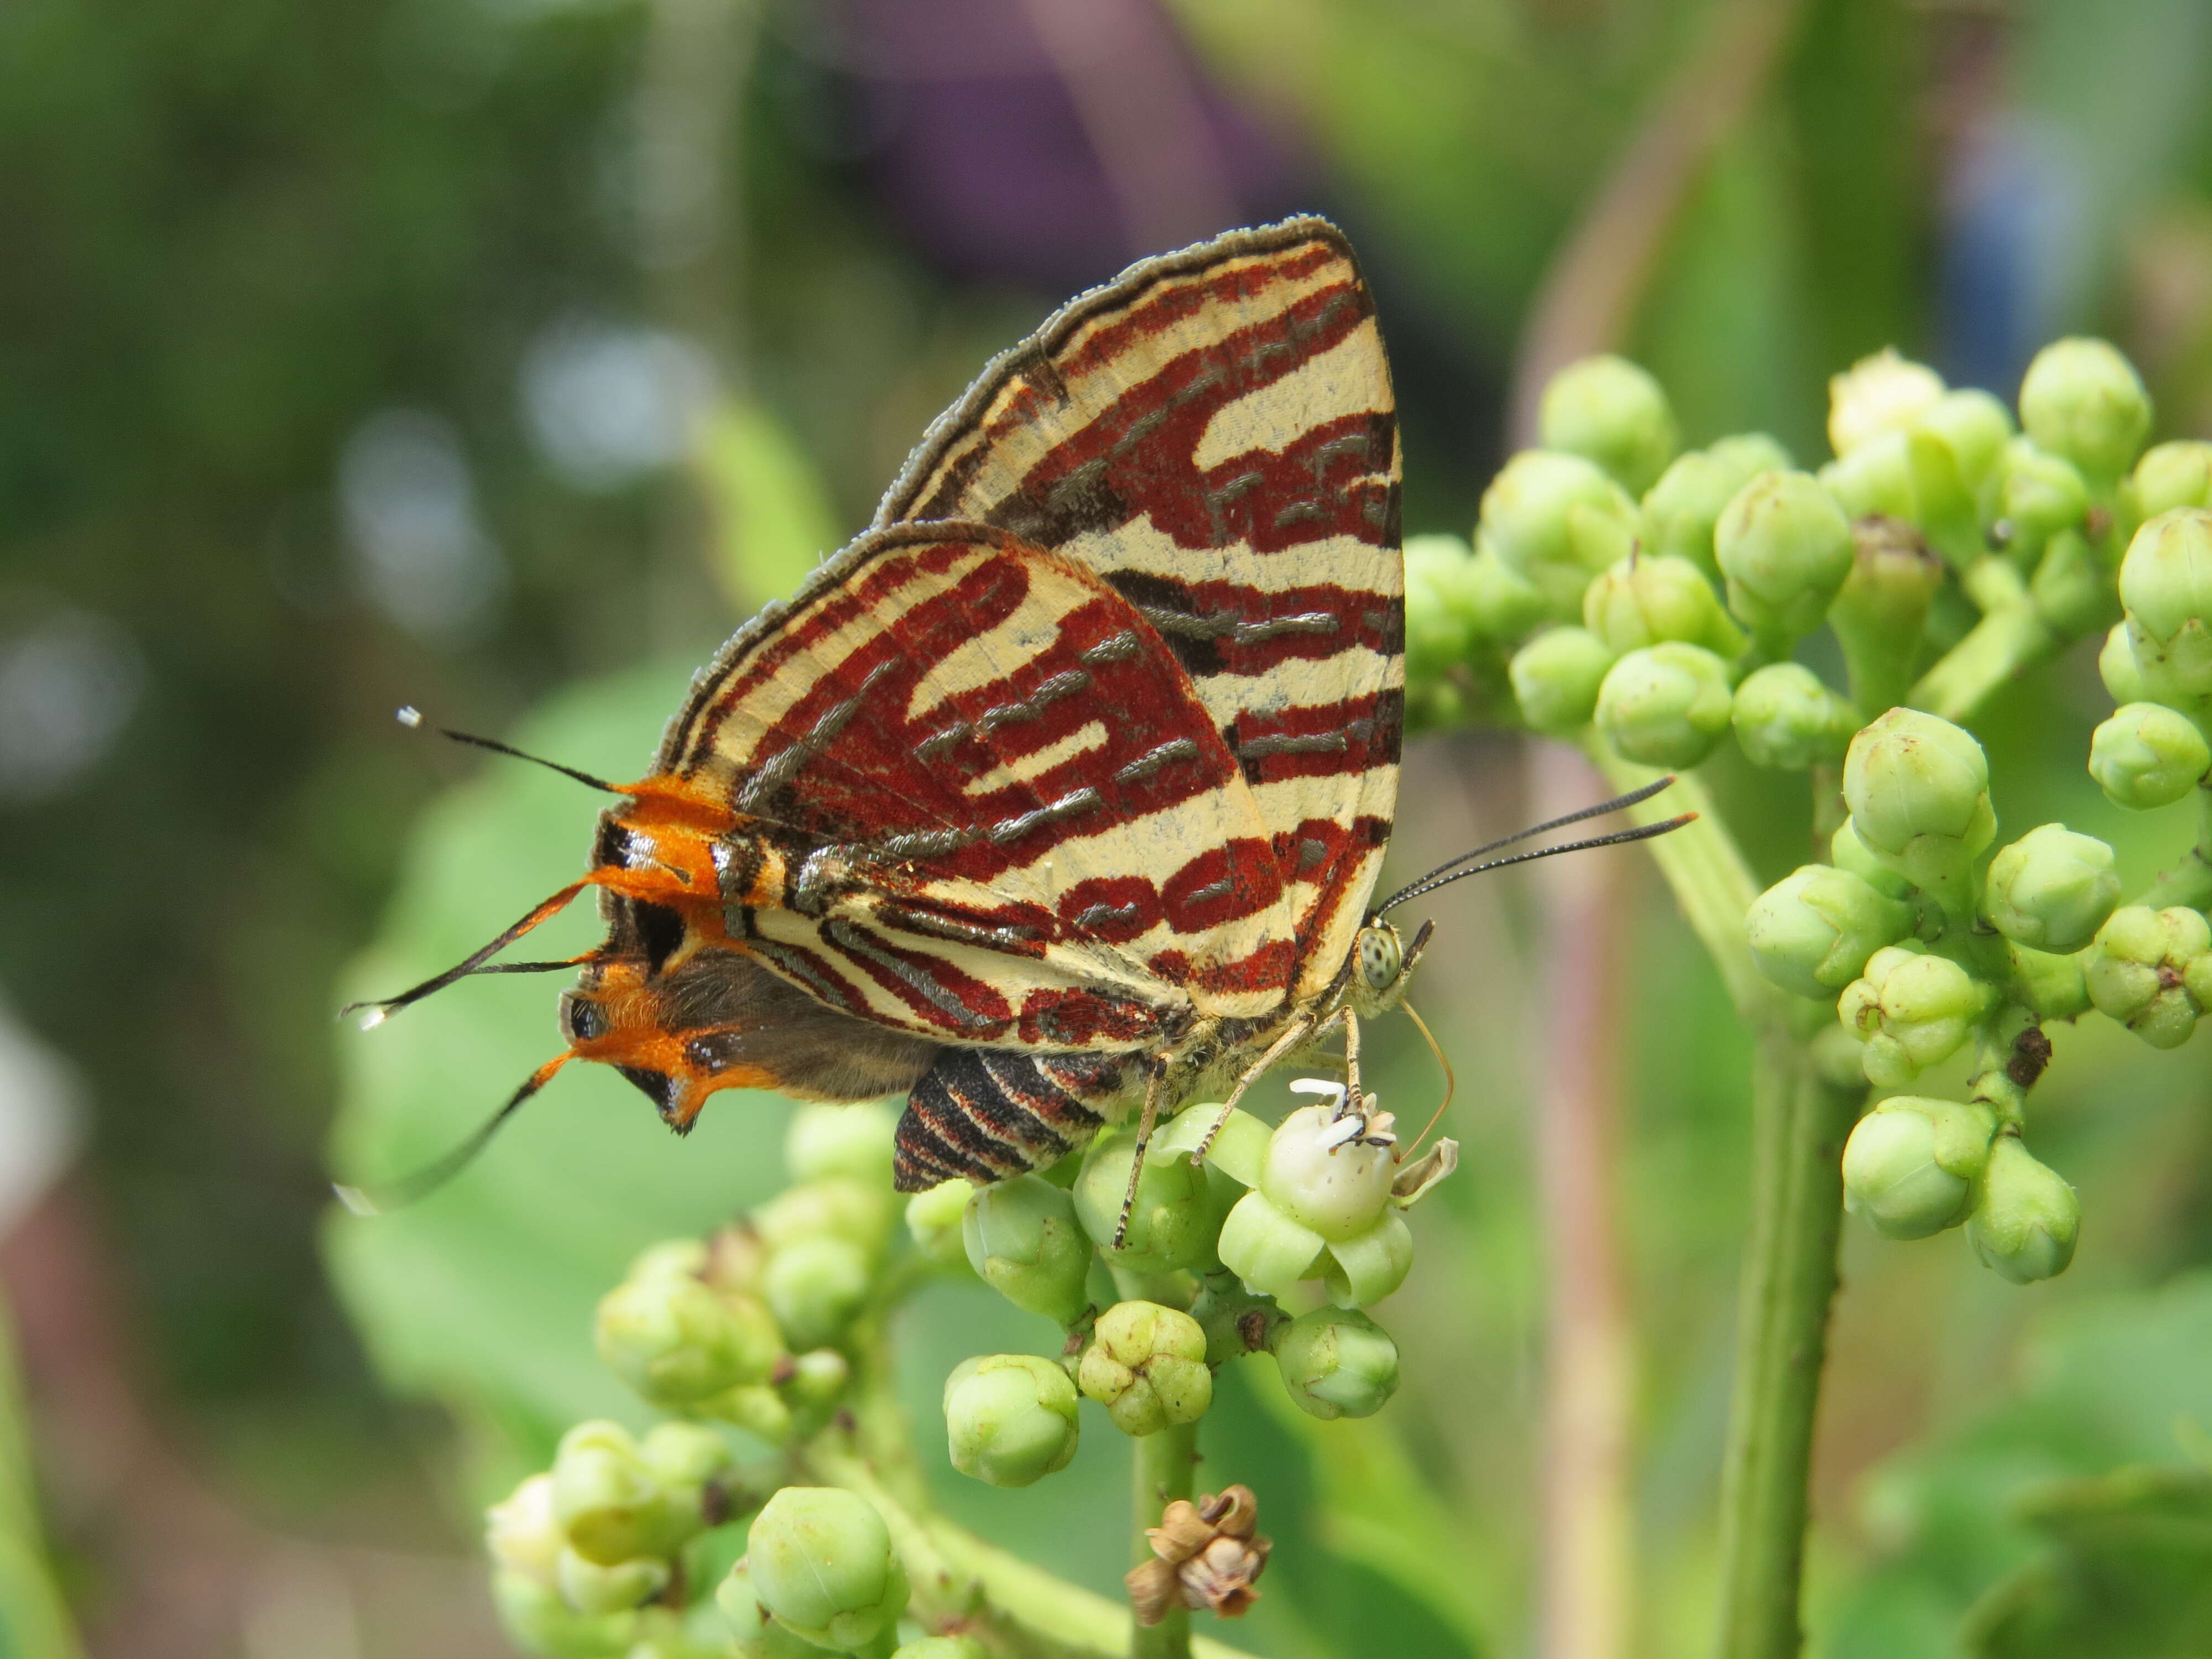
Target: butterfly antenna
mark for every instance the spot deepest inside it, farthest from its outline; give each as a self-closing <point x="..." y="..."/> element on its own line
<point x="1452" y="1082"/>
<point x="427" y="1180"/>
<point x="411" y="718"/>
<point x="381" y="1009"/>
<point x="1597" y="811"/>
<point x="1429" y="884"/>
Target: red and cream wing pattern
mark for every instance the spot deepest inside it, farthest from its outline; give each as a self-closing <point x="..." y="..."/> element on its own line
<point x="976" y="798"/>
<point x="1214" y="433"/>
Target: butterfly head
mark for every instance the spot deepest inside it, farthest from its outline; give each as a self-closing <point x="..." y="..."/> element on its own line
<point x="1382" y="966"/>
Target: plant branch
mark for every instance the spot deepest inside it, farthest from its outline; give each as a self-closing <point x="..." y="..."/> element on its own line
<point x="2011" y="635"/>
<point x="1165" y="1462"/>
<point x="2189" y="883"/>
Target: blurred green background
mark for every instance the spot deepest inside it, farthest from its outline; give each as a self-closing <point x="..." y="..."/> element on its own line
<point x="497" y="355"/>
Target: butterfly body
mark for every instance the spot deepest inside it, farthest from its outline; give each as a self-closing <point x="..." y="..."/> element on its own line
<point x="1063" y="789"/>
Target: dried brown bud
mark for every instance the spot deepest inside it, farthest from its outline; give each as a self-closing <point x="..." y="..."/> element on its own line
<point x="1209" y="1556"/>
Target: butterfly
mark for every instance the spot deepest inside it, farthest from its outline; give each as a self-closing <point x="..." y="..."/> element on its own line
<point x="1062" y="792"/>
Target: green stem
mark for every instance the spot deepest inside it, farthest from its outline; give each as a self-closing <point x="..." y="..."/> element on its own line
<point x="1164" y="1464"/>
<point x="2189" y="883"/>
<point x="1798" y="1125"/>
<point x="2011" y="634"/>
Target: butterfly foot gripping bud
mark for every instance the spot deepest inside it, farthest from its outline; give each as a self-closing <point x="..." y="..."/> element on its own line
<point x="1337" y="1362"/>
<point x="2026" y="1223"/>
<point x="1785" y="718"/>
<point x="1608" y="409"/>
<point x="611" y="1504"/>
<point x="1911" y="1165"/>
<point x="1010" y="1419"/>
<point x="1679" y="511"/>
<point x="1024" y="1239"/>
<point x="1911" y="1010"/>
<point x="2165" y="588"/>
<point x="1322" y="1209"/>
<point x="676" y="1339"/>
<point x="821" y="1563"/>
<point x="1146" y="1364"/>
<point x="2152" y="971"/>
<point x="2171" y="475"/>
<point x="934" y="1218"/>
<point x="1646" y="599"/>
<point x="1785" y="547"/>
<point x="1206" y="1554"/>
<point x="2148" y="756"/>
<point x="2052" y="889"/>
<point x="1177" y="1213"/>
<point x="1918" y="790"/>
<point x="1557" y="520"/>
<point x="1555" y="678"/>
<point x="2081" y="398"/>
<point x="1665" y="705"/>
<point x="1813" y="931"/>
<point x="1879" y="394"/>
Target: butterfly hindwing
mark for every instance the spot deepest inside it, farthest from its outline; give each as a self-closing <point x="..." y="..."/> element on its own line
<point x="1214" y="433"/>
<point x="979" y="800"/>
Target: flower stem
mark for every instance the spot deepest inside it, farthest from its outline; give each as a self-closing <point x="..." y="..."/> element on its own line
<point x="1165" y="1462"/>
<point x="2011" y="635"/>
<point x="2189" y="883"/>
<point x="1799" y="1126"/>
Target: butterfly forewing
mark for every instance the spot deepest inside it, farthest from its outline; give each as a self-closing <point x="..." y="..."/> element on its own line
<point x="1214" y="433"/>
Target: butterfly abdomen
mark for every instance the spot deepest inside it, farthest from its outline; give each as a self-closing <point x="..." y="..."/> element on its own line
<point x="986" y="1114"/>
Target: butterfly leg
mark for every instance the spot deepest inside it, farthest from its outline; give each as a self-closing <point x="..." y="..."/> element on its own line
<point x="1144" y="1123"/>
<point x="1353" y="1100"/>
<point x="1301" y="1031"/>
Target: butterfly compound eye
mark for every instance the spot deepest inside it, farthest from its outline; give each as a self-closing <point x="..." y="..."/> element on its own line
<point x="582" y="1020"/>
<point x="1381" y="957"/>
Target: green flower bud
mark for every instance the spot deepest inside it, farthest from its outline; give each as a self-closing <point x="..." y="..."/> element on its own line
<point x="822" y="1564"/>
<point x="1357" y="1273"/>
<point x="1175" y="1216"/>
<point x="611" y="1505"/>
<point x="758" y="1636"/>
<point x="2037" y="496"/>
<point x="1847" y="852"/>
<point x="1503" y="605"/>
<point x="2116" y="666"/>
<point x="539" y="1620"/>
<point x="758" y="1409"/>
<point x="1556" y="677"/>
<point x="2051" y="985"/>
<point x="2069" y="586"/>
<point x="1611" y="410"/>
<point x="941" y="1647"/>
<point x="1813" y="931"/>
<point x="663" y="1633"/>
<point x="1918" y="789"/>
<point x="1337" y="1186"/>
<point x="2177" y="474"/>
<point x="1974" y="426"/>
<point x="1011" y="1419"/>
<point x="676" y="1341"/>
<point x="1023" y="1238"/>
<point x="2028" y="1219"/>
<point x="1785" y="718"/>
<point x="1238" y="1148"/>
<point x="2052" y="889"/>
<point x="818" y="1376"/>
<point x="1644" y="599"/>
<point x="837" y="1207"/>
<point x="853" y="1141"/>
<point x="2147" y="970"/>
<point x="814" y="1286"/>
<point x="1835" y="1055"/>
<point x="2166" y="583"/>
<point x="679" y="1258"/>
<point x="2083" y="400"/>
<point x="1882" y="393"/>
<point x="932" y="1220"/>
<point x="1875" y="478"/>
<point x="1267" y="1250"/>
<point x="1911" y="1010"/>
<point x="1911" y="1165"/>
<point x="1146" y="1365"/>
<point x="1784" y="547"/>
<point x="594" y="1589"/>
<point x="1665" y="705"/>
<point x="523" y="1531"/>
<point x="1880" y="611"/>
<point x="2147" y="756"/>
<point x="1440" y="607"/>
<point x="1679" y="511"/>
<point x="1337" y="1362"/>
<point x="686" y="1459"/>
<point x="1557" y="520"/>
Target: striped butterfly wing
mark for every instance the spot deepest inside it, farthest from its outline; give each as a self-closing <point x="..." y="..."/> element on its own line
<point x="978" y="800"/>
<point x="1214" y="433"/>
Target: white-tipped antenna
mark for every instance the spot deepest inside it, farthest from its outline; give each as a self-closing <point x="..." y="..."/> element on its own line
<point x="409" y="716"/>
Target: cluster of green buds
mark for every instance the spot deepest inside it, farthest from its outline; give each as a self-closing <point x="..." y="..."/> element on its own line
<point x="1311" y="1209"/>
<point x="1650" y="603"/>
